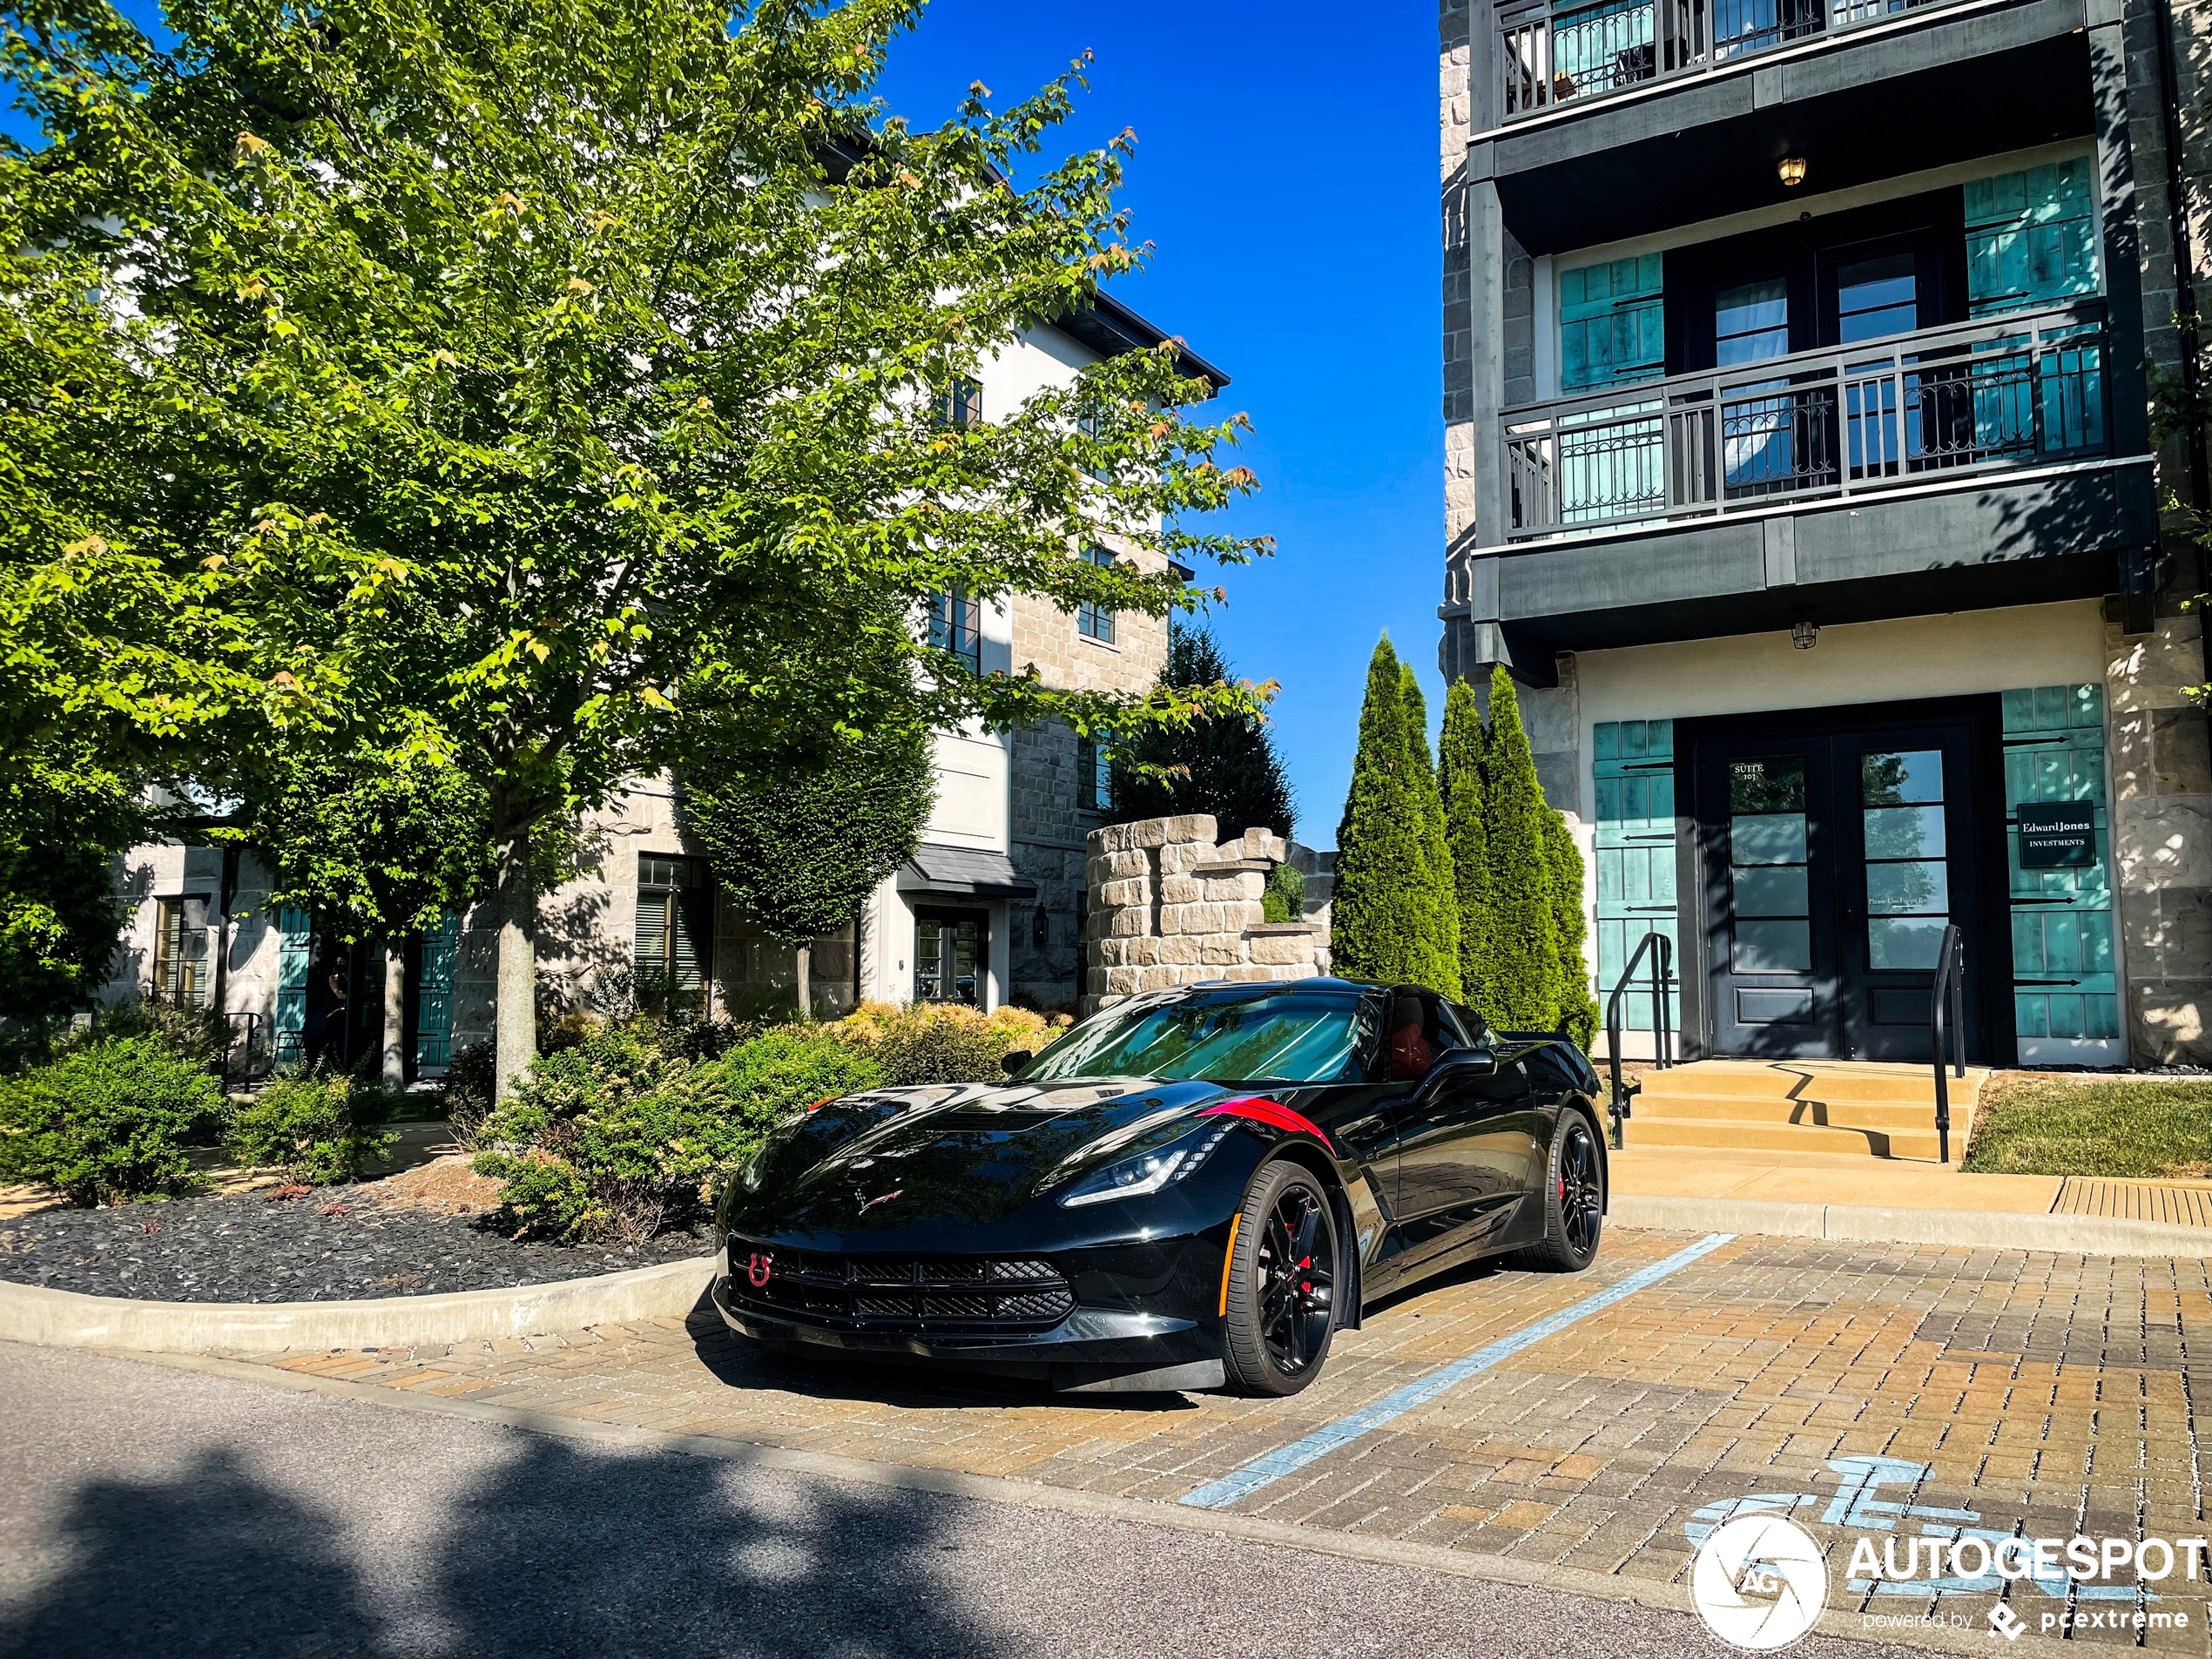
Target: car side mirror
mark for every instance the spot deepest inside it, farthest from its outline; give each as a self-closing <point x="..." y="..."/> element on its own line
<point x="1014" y="1062"/>
<point x="1475" y="1062"/>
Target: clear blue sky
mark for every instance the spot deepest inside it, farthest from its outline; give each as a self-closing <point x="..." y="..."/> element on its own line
<point x="1285" y="171"/>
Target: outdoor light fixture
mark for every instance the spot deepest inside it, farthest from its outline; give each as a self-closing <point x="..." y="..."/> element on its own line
<point x="1792" y="171"/>
<point x="1805" y="635"/>
<point x="1040" y="928"/>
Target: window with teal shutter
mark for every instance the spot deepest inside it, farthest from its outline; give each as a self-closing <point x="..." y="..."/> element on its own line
<point x="2031" y="238"/>
<point x="434" y="992"/>
<point x="1634" y="767"/>
<point x="295" y="952"/>
<point x="1612" y="324"/>
<point x="2064" y="987"/>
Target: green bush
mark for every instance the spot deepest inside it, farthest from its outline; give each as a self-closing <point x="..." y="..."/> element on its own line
<point x="315" y="1126"/>
<point x="616" y="1136"/>
<point x="472" y="1074"/>
<point x="941" y="1042"/>
<point x="1284" y="897"/>
<point x="108" y="1121"/>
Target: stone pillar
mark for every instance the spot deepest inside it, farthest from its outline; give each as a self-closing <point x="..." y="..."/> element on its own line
<point x="1170" y="906"/>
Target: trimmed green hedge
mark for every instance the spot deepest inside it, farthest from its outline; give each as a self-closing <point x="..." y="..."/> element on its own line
<point x="108" y="1122"/>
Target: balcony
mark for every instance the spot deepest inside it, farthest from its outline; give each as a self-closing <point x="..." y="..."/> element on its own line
<point x="1557" y="50"/>
<point x="2024" y="390"/>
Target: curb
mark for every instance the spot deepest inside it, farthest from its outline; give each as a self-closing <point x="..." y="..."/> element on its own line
<point x="1669" y="1596"/>
<point x="1978" y="1229"/>
<point x="70" y="1320"/>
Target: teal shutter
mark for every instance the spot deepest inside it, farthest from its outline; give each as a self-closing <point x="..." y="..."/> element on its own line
<point x="434" y="992"/>
<point x="1612" y="324"/>
<point x="2031" y="238"/>
<point x="295" y="951"/>
<point x="2064" y="983"/>
<point x="1633" y="764"/>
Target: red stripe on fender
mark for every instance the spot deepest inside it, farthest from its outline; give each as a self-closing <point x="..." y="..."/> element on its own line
<point x="1262" y="1111"/>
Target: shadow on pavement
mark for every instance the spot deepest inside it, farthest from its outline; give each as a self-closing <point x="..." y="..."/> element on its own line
<point x="921" y="1386"/>
<point x="555" y="1550"/>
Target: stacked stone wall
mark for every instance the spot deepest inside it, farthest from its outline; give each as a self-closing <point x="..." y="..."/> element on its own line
<point x="1170" y="906"/>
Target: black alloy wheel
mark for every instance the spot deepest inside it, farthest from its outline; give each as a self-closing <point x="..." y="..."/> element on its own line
<point x="1282" y="1284"/>
<point x="1574" y="1201"/>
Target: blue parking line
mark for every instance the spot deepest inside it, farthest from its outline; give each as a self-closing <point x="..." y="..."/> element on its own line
<point x="1263" y="1471"/>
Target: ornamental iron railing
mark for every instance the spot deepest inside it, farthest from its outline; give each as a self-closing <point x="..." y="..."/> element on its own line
<point x="1556" y="51"/>
<point x="2012" y="391"/>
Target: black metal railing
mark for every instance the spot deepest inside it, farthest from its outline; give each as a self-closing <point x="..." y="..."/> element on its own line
<point x="1553" y="51"/>
<point x="2005" y="392"/>
<point x="1947" y="1027"/>
<point x="1661" y="950"/>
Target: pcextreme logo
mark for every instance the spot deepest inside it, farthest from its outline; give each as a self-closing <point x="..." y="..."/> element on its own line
<point x="1758" y="1583"/>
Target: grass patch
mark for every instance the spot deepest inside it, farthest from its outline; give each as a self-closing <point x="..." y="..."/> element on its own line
<point x="2141" y="1127"/>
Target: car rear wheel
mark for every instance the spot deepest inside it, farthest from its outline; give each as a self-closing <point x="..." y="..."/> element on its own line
<point x="1282" y="1284"/>
<point x="1574" y="1201"/>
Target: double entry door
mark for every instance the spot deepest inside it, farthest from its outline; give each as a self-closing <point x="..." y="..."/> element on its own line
<point x="1832" y="864"/>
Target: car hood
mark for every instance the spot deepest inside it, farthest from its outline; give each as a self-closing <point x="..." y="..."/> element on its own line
<point x="971" y="1154"/>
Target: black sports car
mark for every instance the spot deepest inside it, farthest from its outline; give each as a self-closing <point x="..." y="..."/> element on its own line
<point x="1192" y="1189"/>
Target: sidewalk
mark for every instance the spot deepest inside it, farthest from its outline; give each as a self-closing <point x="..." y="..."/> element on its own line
<point x="1831" y="1194"/>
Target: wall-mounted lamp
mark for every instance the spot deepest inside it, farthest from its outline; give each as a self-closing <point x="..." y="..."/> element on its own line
<point x="1792" y="171"/>
<point x="1805" y="635"/>
<point x="1040" y="928"/>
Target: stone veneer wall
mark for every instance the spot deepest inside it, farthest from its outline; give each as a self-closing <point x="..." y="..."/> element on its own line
<point x="1170" y="906"/>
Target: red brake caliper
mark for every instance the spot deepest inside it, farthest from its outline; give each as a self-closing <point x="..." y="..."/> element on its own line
<point x="1308" y="1283"/>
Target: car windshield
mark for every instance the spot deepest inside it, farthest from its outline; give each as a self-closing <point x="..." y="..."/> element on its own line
<point x="1226" y="1038"/>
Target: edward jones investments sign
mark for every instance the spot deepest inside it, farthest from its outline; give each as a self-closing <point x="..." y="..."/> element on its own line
<point x="2057" y="834"/>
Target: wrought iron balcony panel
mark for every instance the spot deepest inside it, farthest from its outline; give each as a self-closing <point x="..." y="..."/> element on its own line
<point x="2022" y="390"/>
<point x="1556" y="51"/>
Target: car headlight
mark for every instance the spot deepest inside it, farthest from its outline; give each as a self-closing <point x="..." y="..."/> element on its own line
<point x="1148" y="1171"/>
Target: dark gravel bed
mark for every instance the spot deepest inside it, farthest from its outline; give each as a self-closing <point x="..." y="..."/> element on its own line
<point x="336" y="1245"/>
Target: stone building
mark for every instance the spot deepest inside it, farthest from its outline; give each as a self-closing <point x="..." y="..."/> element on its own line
<point x="1800" y="466"/>
<point x="989" y="910"/>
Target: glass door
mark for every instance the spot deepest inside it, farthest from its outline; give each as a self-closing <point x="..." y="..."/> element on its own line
<point x="1909" y="838"/>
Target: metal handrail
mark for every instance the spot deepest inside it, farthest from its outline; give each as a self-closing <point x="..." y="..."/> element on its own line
<point x="1949" y="997"/>
<point x="2018" y="389"/>
<point x="1551" y="51"/>
<point x="1661" y="1026"/>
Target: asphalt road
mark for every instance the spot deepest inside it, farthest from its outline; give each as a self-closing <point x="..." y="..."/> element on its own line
<point x="150" y="1512"/>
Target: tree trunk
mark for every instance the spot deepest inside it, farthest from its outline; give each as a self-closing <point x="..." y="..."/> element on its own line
<point x="395" y="1015"/>
<point x="804" y="956"/>
<point x="515" y="1001"/>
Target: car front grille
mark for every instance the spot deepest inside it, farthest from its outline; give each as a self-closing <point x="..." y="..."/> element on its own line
<point x="952" y="1295"/>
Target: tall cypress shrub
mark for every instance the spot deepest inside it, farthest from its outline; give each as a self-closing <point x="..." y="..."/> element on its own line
<point x="1383" y="900"/>
<point x="1442" y="915"/>
<point x="1460" y="758"/>
<point x="1524" y="982"/>
<point x="1578" y="1011"/>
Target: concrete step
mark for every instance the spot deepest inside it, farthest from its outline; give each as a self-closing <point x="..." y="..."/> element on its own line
<point x="1825" y="1080"/>
<point x="1751" y="1108"/>
<point x="1641" y="1131"/>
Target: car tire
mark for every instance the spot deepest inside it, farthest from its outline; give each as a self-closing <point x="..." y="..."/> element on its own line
<point x="1574" y="1201"/>
<point x="1281" y="1305"/>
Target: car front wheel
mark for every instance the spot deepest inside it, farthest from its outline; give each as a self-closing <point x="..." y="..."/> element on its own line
<point x="1282" y="1284"/>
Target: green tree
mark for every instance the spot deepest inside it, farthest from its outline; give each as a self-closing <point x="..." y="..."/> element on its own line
<point x="1578" y="1010"/>
<point x="538" y="380"/>
<point x="1225" y="765"/>
<point x="1461" y="756"/>
<point x="1523" y="986"/>
<point x="1383" y="907"/>
<point x="1442" y="915"/>
<point x="803" y="849"/>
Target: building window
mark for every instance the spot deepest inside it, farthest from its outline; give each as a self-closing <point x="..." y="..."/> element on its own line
<point x="952" y="955"/>
<point x="956" y="625"/>
<point x="180" y="952"/>
<point x="675" y="937"/>
<point x="1094" y="774"/>
<point x="957" y="405"/>
<point x="1096" y="621"/>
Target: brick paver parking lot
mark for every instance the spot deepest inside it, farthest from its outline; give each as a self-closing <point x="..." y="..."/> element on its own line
<point x="1888" y="1392"/>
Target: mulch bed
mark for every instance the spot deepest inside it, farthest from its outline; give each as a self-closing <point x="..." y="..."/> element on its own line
<point x="330" y="1244"/>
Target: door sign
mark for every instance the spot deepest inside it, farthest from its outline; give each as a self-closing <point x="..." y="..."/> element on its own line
<point x="2057" y="834"/>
